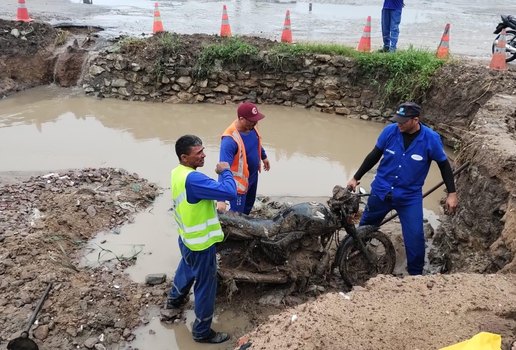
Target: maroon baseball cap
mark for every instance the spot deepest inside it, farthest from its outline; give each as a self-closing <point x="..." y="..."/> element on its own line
<point x="250" y="112"/>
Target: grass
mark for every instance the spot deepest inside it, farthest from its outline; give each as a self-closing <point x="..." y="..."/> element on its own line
<point x="231" y="50"/>
<point x="403" y="75"/>
<point x="407" y="73"/>
<point x="170" y="43"/>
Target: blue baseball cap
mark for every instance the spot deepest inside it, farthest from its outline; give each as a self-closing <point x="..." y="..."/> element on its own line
<point x="406" y="111"/>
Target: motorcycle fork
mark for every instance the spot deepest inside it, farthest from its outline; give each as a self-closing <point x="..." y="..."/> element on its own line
<point x="352" y="231"/>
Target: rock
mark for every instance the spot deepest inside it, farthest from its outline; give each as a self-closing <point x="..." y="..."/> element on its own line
<point x="91" y="211"/>
<point x="120" y="324"/>
<point x="342" y="110"/>
<point x="185" y="82"/>
<point x="126" y="333"/>
<point x="95" y="70"/>
<point x="100" y="347"/>
<point x="222" y="88"/>
<point x="169" y="314"/>
<point x="119" y="82"/>
<point x="155" y="278"/>
<point x="90" y="342"/>
<point x="15" y="32"/>
<point x="41" y="332"/>
<point x="71" y="331"/>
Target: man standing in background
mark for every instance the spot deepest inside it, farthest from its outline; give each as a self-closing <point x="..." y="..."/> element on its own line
<point x="241" y="146"/>
<point x="391" y="18"/>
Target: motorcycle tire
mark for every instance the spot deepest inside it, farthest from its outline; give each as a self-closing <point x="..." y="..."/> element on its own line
<point x="353" y="265"/>
<point x="510" y="37"/>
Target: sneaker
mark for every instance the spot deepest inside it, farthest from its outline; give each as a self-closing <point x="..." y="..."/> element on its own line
<point x="383" y="49"/>
<point x="213" y="338"/>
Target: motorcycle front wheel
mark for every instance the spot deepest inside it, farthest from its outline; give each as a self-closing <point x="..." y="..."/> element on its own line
<point x="510" y="47"/>
<point x="353" y="265"/>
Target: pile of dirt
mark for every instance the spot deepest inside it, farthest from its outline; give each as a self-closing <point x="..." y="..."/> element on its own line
<point x="21" y="38"/>
<point x="421" y="312"/>
<point x="44" y="223"/>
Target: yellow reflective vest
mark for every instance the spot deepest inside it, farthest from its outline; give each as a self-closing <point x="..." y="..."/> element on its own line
<point x="198" y="224"/>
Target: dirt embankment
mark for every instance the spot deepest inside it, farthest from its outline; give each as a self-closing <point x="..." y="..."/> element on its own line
<point x="474" y="108"/>
<point x="44" y="223"/>
<point x="36" y="53"/>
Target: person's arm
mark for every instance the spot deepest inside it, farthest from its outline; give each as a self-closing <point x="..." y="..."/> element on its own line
<point x="447" y="175"/>
<point x="200" y="186"/>
<point x="266" y="163"/>
<point x="228" y="149"/>
<point x="369" y="162"/>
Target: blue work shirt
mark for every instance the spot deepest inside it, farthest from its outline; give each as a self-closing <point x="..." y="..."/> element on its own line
<point x="199" y="187"/>
<point x="403" y="172"/>
<point x="393" y="4"/>
<point x="229" y="148"/>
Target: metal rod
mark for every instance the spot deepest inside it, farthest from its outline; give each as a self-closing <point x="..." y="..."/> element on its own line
<point x="455" y="173"/>
<point x="38" y="308"/>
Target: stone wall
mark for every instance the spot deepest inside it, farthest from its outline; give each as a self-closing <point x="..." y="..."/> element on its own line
<point x="323" y="82"/>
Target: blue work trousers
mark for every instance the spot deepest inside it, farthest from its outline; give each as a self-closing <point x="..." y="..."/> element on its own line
<point x="411" y="218"/>
<point x="244" y="202"/>
<point x="197" y="268"/>
<point x="391" y="20"/>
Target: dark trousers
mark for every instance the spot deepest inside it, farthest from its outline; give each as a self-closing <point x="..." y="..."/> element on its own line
<point x="200" y="270"/>
<point x="244" y="202"/>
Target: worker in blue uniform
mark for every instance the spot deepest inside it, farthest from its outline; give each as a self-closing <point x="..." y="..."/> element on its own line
<point x="241" y="146"/>
<point x="391" y="19"/>
<point x="194" y="195"/>
<point x="406" y="150"/>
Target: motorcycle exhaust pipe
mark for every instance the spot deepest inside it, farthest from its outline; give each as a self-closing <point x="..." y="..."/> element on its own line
<point x="510" y="48"/>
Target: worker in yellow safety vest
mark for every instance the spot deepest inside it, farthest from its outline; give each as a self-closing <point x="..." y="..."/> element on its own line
<point x="241" y="146"/>
<point x="194" y="195"/>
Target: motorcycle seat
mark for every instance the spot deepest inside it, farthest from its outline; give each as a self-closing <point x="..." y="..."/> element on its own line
<point x="509" y="21"/>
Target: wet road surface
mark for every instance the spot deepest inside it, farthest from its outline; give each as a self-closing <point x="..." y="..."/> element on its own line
<point x="337" y="21"/>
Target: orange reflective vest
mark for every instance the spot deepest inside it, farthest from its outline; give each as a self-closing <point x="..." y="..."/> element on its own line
<point x="239" y="166"/>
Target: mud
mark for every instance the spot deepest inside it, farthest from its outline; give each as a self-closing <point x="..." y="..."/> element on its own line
<point x="44" y="223"/>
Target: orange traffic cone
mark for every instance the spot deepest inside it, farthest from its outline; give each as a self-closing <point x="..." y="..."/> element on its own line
<point x="286" y="35"/>
<point x="225" y="29"/>
<point x="158" y="25"/>
<point x="498" y="59"/>
<point x="22" y="14"/>
<point x="443" y="50"/>
<point x="365" y="41"/>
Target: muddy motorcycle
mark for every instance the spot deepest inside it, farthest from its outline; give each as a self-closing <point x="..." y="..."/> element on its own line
<point x="507" y="22"/>
<point x="301" y="245"/>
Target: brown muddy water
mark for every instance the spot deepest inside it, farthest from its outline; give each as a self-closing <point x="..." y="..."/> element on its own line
<point x="47" y="129"/>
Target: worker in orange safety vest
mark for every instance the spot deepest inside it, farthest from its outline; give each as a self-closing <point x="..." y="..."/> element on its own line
<point x="241" y="146"/>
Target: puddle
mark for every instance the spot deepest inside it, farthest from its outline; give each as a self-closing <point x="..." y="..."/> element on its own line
<point x="179" y="336"/>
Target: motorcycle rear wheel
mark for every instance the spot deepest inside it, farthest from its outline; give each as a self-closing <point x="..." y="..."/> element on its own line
<point x="510" y="38"/>
<point x="353" y="265"/>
